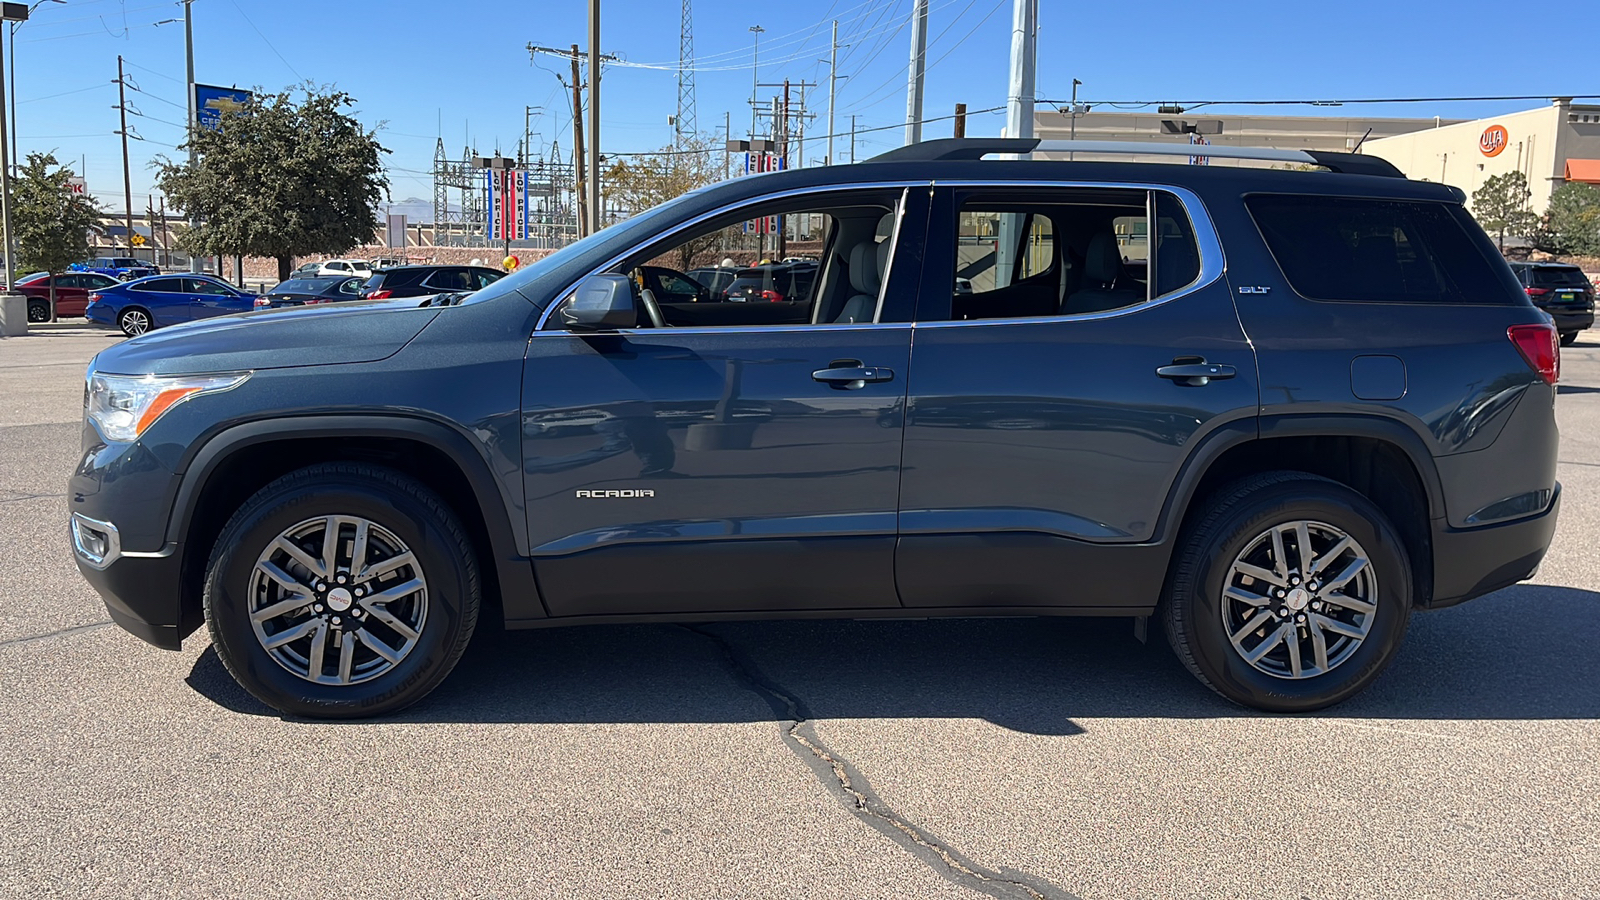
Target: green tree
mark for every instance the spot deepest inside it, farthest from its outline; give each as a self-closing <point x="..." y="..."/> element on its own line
<point x="1572" y="221"/>
<point x="641" y="182"/>
<point x="280" y="179"/>
<point x="1501" y="206"/>
<point x="50" y="223"/>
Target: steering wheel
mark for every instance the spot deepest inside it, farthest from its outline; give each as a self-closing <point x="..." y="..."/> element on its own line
<point x="647" y="299"/>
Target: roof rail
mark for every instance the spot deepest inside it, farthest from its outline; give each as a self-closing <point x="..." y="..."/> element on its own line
<point x="977" y="148"/>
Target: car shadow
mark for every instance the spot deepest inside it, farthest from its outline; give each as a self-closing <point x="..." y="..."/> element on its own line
<point x="1513" y="655"/>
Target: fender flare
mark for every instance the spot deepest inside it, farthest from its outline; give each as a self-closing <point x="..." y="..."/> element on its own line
<point x="1234" y="434"/>
<point x="513" y="570"/>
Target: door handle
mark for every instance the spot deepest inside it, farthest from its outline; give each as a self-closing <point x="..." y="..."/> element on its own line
<point x="850" y="378"/>
<point x="1195" y="372"/>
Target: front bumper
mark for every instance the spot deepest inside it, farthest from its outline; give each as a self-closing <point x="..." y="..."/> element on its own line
<point x="1471" y="562"/>
<point x="142" y="595"/>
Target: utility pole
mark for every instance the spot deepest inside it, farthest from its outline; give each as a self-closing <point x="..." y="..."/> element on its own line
<point x="127" y="184"/>
<point x="527" y="136"/>
<point x="852" y="138"/>
<point x="1019" y="122"/>
<point x="918" y="72"/>
<point x="833" y="88"/>
<point x="188" y="52"/>
<point x="579" y="189"/>
<point x="595" y="209"/>
<point x="727" y="137"/>
<point x="961" y="120"/>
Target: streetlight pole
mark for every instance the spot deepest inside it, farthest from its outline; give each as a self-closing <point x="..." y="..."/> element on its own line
<point x="755" y="69"/>
<point x="188" y="127"/>
<point x="16" y="156"/>
<point x="5" y="159"/>
<point x="595" y="217"/>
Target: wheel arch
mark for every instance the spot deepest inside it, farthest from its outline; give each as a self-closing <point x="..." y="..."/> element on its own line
<point x="1382" y="459"/>
<point x="237" y="462"/>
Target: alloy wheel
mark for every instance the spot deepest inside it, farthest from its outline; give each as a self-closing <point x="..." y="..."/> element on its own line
<point x="135" y="323"/>
<point x="37" y="313"/>
<point x="338" y="600"/>
<point x="1299" y="599"/>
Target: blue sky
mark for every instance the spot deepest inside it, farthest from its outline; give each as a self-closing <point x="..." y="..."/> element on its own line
<point x="414" y="66"/>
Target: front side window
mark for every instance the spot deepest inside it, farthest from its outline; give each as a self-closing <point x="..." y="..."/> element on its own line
<point x="1063" y="252"/>
<point x="838" y="248"/>
<point x="206" y="287"/>
<point x="1397" y="251"/>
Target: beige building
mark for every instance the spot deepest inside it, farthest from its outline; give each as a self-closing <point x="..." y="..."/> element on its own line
<point x="1551" y="144"/>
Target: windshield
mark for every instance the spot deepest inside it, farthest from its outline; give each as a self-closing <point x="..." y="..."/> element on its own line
<point x="617" y="238"/>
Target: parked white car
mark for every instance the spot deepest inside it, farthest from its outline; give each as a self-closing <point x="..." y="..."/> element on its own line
<point x="345" y="267"/>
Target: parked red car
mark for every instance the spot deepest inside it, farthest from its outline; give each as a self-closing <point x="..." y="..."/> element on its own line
<point x="72" y="293"/>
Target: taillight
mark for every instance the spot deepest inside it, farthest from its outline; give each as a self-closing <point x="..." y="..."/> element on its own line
<point x="379" y="295"/>
<point x="1537" y="292"/>
<point x="1540" y="347"/>
<point x="774" y="296"/>
<point x="94" y="298"/>
<point x="262" y="303"/>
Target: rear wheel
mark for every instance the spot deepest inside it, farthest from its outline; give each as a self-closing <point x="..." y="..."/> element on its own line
<point x="341" y="591"/>
<point x="1568" y="338"/>
<point x="1291" y="593"/>
<point x="133" y="321"/>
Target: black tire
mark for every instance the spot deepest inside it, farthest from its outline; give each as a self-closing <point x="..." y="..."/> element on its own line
<point x="135" y="321"/>
<point x="407" y="509"/>
<point x="38" y="312"/>
<point x="1568" y="338"/>
<point x="1230" y="520"/>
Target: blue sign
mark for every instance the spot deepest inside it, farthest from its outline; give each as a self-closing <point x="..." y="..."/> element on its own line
<point x="210" y="102"/>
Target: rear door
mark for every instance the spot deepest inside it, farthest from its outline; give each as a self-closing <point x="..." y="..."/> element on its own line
<point x="1055" y="393"/>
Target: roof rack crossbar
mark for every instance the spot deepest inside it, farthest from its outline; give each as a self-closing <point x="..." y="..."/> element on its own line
<point x="977" y="148"/>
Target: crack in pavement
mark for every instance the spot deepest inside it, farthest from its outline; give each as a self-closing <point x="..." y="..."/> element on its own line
<point x="23" y="496"/>
<point x="852" y="789"/>
<point x="62" y="632"/>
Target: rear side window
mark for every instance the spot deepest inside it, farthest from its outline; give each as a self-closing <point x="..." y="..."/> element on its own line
<point x="161" y="285"/>
<point x="1396" y="251"/>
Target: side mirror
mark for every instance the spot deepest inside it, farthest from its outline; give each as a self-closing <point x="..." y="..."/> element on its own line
<point x="601" y="303"/>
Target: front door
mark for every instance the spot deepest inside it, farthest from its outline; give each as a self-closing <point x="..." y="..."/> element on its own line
<point x="742" y="456"/>
<point x="1064" y="365"/>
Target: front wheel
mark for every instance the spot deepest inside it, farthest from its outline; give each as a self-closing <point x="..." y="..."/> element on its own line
<point x="340" y="591"/>
<point x="38" y="312"/>
<point x="133" y="322"/>
<point x="1291" y="593"/>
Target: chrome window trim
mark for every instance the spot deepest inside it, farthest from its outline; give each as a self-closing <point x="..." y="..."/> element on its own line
<point x="566" y="292"/>
<point x="1213" y="262"/>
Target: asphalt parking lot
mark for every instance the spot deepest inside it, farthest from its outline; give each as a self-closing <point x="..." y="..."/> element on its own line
<point x="1011" y="758"/>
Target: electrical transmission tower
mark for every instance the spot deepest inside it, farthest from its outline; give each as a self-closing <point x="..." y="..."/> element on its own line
<point x="684" y="124"/>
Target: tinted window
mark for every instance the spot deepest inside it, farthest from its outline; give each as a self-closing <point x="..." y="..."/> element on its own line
<point x="451" y="280"/>
<point x="350" y="286"/>
<point x="207" y="287"/>
<point x="486" y="278"/>
<point x="126" y="263"/>
<point x="305" y="285"/>
<point x="1559" y="276"/>
<point x="1337" y="248"/>
<point x="162" y="285"/>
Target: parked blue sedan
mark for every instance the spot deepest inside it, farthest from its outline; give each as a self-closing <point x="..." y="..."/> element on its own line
<point x="162" y="300"/>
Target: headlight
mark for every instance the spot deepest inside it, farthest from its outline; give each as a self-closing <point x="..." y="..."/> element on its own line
<point x="123" y="406"/>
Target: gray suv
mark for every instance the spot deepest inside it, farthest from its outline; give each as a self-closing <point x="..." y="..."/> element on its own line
<point x="1277" y="411"/>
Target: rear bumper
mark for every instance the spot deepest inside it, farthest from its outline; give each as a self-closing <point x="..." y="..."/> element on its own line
<point x="1471" y="562"/>
<point x="1572" y="320"/>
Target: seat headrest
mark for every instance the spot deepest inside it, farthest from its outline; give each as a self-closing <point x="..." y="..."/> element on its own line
<point x="866" y="266"/>
<point x="1101" y="262"/>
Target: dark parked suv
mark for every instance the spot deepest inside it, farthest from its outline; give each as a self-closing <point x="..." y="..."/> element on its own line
<point x="1279" y="411"/>
<point x="1561" y="290"/>
<point x="423" y="281"/>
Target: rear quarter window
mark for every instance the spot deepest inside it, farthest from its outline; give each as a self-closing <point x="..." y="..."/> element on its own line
<point x="1371" y="250"/>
